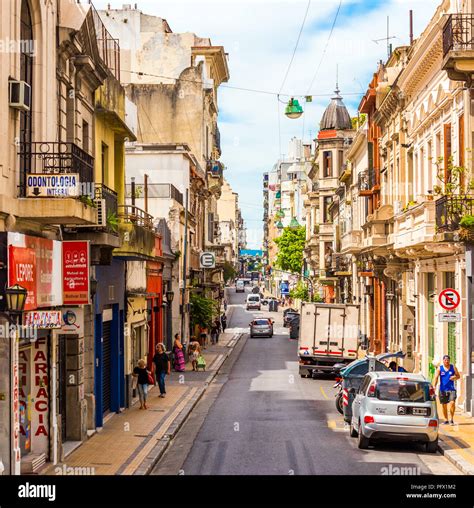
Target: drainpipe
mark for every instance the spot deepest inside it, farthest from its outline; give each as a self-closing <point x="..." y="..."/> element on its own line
<point x="185" y="258"/>
<point x="470" y="328"/>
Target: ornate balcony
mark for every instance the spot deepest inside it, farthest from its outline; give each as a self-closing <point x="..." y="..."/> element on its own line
<point x="450" y="210"/>
<point x="56" y="183"/>
<point x="458" y="46"/>
<point x="136" y="234"/>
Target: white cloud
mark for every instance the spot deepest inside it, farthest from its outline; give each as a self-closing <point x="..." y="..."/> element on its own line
<point x="259" y="36"/>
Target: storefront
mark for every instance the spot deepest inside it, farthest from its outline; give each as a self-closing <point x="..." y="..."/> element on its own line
<point x="109" y="379"/>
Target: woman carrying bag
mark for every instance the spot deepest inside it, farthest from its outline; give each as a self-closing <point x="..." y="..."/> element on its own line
<point x="144" y="378"/>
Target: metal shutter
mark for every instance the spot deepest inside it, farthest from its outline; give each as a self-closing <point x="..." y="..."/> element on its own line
<point x="106" y="366"/>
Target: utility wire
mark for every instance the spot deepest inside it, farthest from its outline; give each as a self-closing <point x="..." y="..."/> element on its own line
<point x="326" y="47"/>
<point x="296" y="47"/>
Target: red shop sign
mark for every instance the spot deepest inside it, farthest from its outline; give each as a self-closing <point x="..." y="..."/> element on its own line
<point x="75" y="272"/>
<point x="22" y="271"/>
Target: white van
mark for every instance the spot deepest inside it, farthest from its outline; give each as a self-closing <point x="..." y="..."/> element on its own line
<point x="253" y="302"/>
<point x="240" y="286"/>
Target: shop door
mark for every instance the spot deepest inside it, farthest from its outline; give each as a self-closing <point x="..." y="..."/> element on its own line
<point x="25" y="395"/>
<point x="106" y="366"/>
<point x="62" y="383"/>
<point x="431" y="323"/>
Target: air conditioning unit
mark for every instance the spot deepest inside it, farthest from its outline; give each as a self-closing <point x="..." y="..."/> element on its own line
<point x="101" y="216"/>
<point x="19" y="95"/>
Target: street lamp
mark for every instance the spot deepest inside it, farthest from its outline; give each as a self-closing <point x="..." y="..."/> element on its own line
<point x="16" y="299"/>
<point x="169" y="296"/>
<point x="293" y="110"/>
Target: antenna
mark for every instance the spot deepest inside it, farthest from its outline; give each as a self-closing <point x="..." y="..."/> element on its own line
<point x="387" y="39"/>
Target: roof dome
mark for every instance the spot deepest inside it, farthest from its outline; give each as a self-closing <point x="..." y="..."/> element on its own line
<point x="336" y="116"/>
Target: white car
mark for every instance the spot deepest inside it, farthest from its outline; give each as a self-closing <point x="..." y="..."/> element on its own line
<point x="253" y="302"/>
<point x="240" y="286"/>
<point x="395" y="406"/>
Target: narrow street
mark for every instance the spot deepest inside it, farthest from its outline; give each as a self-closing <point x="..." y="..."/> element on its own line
<point x="262" y="418"/>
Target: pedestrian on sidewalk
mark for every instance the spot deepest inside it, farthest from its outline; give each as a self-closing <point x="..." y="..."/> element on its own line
<point x="141" y="372"/>
<point x="178" y="352"/>
<point x="225" y="305"/>
<point x="161" y="367"/>
<point x="218" y="326"/>
<point x="194" y="353"/>
<point x="224" y="322"/>
<point x="213" y="334"/>
<point x="447" y="374"/>
<point x="203" y="337"/>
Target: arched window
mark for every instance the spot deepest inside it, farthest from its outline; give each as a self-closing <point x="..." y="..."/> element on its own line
<point x="26" y="74"/>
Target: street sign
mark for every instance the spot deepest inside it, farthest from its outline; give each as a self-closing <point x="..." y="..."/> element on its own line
<point x="207" y="260"/>
<point x="52" y="185"/>
<point x="449" y="317"/>
<point x="449" y="299"/>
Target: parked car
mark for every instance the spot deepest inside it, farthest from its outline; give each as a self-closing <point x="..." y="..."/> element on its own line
<point x="295" y="327"/>
<point x="288" y="317"/>
<point x="395" y="406"/>
<point x="253" y="302"/>
<point x="353" y="374"/>
<point x="262" y="327"/>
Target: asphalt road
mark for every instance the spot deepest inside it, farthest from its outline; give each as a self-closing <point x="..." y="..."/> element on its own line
<point x="260" y="418"/>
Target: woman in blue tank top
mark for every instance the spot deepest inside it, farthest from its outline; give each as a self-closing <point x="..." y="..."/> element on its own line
<point x="447" y="374"/>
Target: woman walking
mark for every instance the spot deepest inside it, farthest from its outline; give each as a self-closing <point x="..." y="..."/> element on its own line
<point x="223" y="322"/>
<point x="194" y="353"/>
<point x="141" y="372"/>
<point x="161" y="367"/>
<point x="179" y="363"/>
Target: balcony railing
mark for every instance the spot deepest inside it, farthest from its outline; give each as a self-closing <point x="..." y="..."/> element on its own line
<point x="450" y="210"/>
<point x="156" y="191"/>
<point x="109" y="48"/>
<point x="44" y="157"/>
<point x="458" y="33"/>
<point x="133" y="215"/>
<point x="215" y="168"/>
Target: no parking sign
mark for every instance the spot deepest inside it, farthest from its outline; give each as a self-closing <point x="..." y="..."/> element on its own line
<point x="449" y="299"/>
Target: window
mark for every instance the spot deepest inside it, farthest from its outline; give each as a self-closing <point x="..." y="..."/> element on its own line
<point x="26" y="74"/>
<point x="402" y="391"/>
<point x="461" y="148"/>
<point x="327" y="200"/>
<point x="85" y="136"/>
<point x="447" y="152"/>
<point x="327" y="164"/>
<point x="365" y="383"/>
<point x="104" y="159"/>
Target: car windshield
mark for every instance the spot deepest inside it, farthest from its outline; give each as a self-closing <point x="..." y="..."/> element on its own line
<point x="261" y="322"/>
<point x="403" y="391"/>
<point x="254" y="298"/>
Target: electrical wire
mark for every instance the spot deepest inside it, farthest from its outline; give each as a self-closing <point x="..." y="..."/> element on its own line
<point x="296" y="47"/>
<point x="326" y="47"/>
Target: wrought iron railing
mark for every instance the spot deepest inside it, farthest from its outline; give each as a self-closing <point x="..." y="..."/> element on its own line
<point x="156" y="190"/>
<point x="451" y="209"/>
<point x="133" y="215"/>
<point x="44" y="157"/>
<point x="458" y="33"/>
<point x="109" y="48"/>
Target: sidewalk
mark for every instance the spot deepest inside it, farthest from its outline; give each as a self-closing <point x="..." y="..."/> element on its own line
<point x="456" y="442"/>
<point x="132" y="442"/>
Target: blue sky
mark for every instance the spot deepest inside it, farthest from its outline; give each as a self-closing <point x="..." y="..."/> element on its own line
<point x="260" y="36"/>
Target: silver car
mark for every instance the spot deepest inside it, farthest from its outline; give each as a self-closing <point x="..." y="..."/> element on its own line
<point x="262" y="327"/>
<point x="395" y="406"/>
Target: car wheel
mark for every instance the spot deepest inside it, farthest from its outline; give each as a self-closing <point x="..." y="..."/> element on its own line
<point x="352" y="431"/>
<point x="364" y="442"/>
<point x="432" y="446"/>
<point x="339" y="403"/>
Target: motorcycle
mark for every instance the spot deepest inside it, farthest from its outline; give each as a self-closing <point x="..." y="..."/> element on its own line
<point x="339" y="399"/>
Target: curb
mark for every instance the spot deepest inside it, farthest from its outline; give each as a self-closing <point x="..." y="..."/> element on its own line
<point x="157" y="452"/>
<point x="462" y="464"/>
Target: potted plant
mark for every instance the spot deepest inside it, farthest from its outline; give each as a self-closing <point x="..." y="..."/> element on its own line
<point x="466" y="228"/>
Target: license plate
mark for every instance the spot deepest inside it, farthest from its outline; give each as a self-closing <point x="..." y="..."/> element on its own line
<point x="420" y="411"/>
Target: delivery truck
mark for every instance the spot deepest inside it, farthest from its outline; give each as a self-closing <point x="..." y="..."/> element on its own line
<point x="329" y="334"/>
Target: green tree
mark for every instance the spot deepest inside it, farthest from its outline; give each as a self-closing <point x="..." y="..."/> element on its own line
<point x="290" y="249"/>
<point x="229" y="271"/>
<point x="202" y="310"/>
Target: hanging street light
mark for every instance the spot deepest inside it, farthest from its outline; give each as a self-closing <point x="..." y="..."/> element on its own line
<point x="293" y="110"/>
<point x="294" y="223"/>
<point x="16" y="299"/>
<point x="279" y="224"/>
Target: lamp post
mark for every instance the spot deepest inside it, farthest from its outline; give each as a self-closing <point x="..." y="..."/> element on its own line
<point x="169" y="295"/>
<point x="15" y="304"/>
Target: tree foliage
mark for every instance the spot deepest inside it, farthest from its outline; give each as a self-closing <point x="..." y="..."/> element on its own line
<point x="229" y="271"/>
<point x="202" y="310"/>
<point x="301" y="292"/>
<point x="290" y="249"/>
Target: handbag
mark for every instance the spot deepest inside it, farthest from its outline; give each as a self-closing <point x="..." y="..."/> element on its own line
<point x="201" y="362"/>
<point x="151" y="380"/>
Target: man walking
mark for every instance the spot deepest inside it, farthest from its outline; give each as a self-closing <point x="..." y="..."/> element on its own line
<point x="447" y="374"/>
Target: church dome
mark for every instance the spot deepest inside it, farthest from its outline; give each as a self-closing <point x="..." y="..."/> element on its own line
<point x="336" y="116"/>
